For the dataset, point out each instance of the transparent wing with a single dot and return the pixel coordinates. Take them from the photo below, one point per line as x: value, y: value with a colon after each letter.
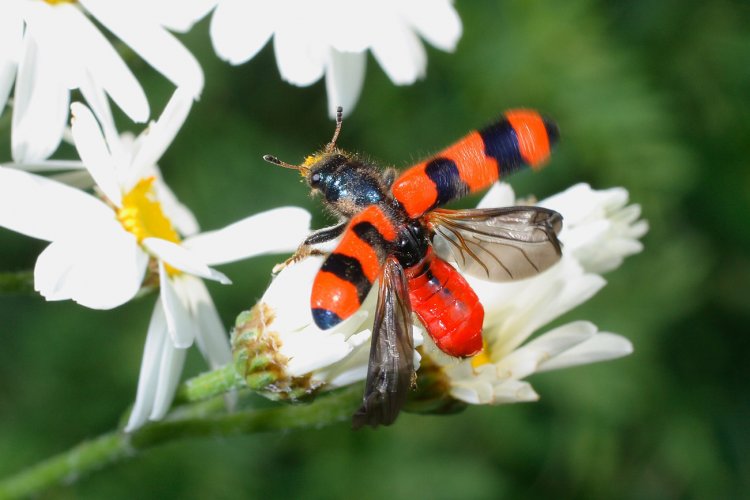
x: 498, y: 244
x: 390, y: 371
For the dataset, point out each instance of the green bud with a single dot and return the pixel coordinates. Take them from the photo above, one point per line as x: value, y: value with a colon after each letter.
x: 258, y: 360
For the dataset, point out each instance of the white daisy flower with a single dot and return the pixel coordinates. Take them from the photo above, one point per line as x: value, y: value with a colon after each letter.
x: 52, y: 46
x: 100, y: 249
x: 331, y: 38
x: 305, y: 358
x: 598, y: 236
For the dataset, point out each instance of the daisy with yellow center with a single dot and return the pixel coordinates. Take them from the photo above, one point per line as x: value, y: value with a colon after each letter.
x: 100, y: 246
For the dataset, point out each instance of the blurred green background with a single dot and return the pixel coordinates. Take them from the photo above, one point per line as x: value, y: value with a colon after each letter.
x: 652, y: 96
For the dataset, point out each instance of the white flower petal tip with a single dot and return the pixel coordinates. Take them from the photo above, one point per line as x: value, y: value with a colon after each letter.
x: 94, y: 152
x: 600, y: 347
x: 345, y: 76
x: 332, y: 38
x: 599, y: 228
x: 100, y: 273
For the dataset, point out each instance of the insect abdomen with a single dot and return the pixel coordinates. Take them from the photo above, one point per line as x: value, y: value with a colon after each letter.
x: 446, y: 305
x: 522, y: 138
x: 347, y: 274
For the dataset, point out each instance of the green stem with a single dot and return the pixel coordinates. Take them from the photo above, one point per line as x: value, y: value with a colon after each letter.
x: 114, y: 447
x: 17, y: 282
x: 209, y: 384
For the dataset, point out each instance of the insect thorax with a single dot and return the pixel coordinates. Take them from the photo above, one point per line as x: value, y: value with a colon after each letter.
x: 347, y: 183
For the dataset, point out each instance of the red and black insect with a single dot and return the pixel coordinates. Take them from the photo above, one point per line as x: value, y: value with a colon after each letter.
x: 388, y: 224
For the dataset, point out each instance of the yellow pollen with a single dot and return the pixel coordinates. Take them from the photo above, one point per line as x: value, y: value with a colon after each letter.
x: 482, y: 358
x: 141, y: 214
x: 57, y: 2
x: 309, y: 160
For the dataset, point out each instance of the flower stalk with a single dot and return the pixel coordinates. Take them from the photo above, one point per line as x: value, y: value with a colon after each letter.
x: 115, y: 447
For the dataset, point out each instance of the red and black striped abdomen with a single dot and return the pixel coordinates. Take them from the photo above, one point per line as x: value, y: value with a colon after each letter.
x: 522, y: 138
x: 348, y: 273
x: 447, y: 306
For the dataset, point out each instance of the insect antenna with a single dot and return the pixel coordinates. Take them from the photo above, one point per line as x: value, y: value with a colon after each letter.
x: 339, y: 121
x: 272, y: 159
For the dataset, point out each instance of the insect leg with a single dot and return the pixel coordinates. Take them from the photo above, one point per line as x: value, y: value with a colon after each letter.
x: 315, y: 238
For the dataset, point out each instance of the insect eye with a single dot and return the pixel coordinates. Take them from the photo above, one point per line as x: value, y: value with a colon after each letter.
x: 315, y: 178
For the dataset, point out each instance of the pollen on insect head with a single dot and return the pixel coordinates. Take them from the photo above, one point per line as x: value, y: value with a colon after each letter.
x: 311, y: 160
x: 142, y: 214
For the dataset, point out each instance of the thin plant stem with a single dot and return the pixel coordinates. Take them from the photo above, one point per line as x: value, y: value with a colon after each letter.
x: 209, y: 384
x: 115, y: 447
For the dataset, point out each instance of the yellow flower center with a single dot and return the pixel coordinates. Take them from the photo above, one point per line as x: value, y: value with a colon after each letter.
x: 57, y: 2
x: 482, y: 358
x: 141, y: 214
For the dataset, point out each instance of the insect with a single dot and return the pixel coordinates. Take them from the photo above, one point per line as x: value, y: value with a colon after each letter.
x: 387, y: 224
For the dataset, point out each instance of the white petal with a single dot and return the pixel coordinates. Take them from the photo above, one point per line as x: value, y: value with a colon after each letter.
x: 183, y: 259
x: 499, y: 195
x: 211, y: 335
x: 436, y: 20
x: 600, y: 231
x: 99, y: 102
x: 79, y: 179
x: 100, y: 272
x: 345, y: 76
x: 40, y: 104
x: 240, y: 28
x: 45, y: 209
x: 300, y: 58
x: 93, y: 150
x: 170, y: 368
x: 600, y: 347
x: 289, y: 295
x: 152, y: 42
x: 179, y: 321
x: 148, y: 379
x: 472, y: 389
x: 353, y: 368
x: 400, y: 53
x: 180, y: 215
x: 309, y: 350
x: 513, y: 391
x: 160, y: 134
x: 48, y: 165
x: 11, y: 37
x: 106, y: 66
x: 526, y: 360
x: 275, y: 231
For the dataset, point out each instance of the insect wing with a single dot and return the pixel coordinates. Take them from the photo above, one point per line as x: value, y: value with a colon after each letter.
x: 391, y: 367
x: 498, y: 244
